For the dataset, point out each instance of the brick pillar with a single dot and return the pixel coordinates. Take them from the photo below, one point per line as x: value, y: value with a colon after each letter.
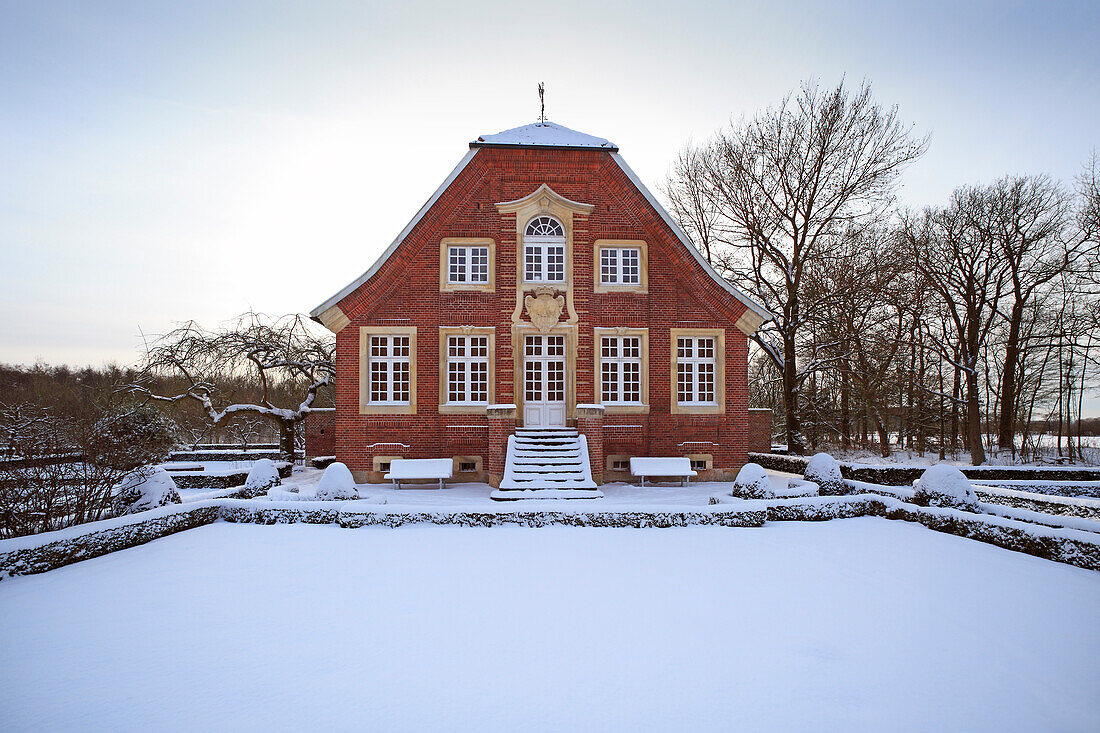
x: 590, y: 424
x: 502, y: 423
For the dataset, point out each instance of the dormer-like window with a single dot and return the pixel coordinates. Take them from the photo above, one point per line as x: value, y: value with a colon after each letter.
x: 544, y: 250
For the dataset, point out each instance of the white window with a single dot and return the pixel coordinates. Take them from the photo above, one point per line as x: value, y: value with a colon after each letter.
x: 467, y: 369
x: 695, y: 370
x: 467, y: 264
x: 620, y: 266
x: 544, y: 250
x: 388, y: 361
x: 621, y: 369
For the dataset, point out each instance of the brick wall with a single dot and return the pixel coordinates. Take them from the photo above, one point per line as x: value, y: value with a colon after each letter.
x: 320, y: 432
x: 405, y: 291
x: 760, y: 430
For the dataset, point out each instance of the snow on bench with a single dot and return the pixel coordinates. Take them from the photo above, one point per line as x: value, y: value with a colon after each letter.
x: 662, y: 468
x: 411, y: 469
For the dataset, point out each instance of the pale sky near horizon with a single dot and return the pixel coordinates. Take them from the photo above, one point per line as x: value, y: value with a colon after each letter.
x: 169, y: 161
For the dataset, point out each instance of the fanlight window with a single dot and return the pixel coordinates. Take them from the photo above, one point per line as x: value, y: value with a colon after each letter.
x: 544, y: 226
x: 544, y: 250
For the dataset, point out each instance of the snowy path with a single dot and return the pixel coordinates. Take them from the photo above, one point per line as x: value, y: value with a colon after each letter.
x: 847, y: 625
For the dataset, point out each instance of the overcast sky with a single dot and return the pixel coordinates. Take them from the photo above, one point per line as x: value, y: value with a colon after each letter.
x: 162, y: 162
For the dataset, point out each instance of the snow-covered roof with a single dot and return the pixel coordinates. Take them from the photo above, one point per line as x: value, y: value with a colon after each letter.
x: 544, y: 135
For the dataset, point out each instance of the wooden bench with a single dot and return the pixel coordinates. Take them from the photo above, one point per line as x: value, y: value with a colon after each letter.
x: 662, y: 468
x: 420, y: 469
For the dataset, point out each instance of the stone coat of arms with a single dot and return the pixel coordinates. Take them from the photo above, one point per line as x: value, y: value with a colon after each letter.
x: 544, y: 308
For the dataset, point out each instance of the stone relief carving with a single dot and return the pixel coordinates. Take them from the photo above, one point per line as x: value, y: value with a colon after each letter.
x: 544, y: 308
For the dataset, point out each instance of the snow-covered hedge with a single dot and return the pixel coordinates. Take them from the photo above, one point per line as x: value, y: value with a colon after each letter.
x: 39, y: 553
x: 1068, y: 506
x: 263, y: 476
x: 336, y: 484
x: 945, y: 486
x: 144, y: 489
x: 824, y: 471
x: 752, y: 482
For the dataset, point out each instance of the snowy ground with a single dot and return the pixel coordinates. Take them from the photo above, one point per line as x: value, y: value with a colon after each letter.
x: 472, y: 496
x: 861, y: 624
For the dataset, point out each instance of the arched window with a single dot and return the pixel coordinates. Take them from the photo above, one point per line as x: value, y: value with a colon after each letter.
x: 545, y: 226
x: 544, y: 250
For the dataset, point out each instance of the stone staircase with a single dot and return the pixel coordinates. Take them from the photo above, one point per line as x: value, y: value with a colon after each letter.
x: 547, y: 463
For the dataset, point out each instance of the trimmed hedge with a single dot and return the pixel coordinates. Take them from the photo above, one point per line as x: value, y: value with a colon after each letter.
x: 903, y: 475
x: 70, y: 549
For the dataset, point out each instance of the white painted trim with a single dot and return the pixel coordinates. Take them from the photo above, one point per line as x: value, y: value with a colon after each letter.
x: 686, y: 241
x: 352, y: 286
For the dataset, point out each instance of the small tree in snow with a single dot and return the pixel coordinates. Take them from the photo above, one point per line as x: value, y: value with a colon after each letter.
x: 285, y: 358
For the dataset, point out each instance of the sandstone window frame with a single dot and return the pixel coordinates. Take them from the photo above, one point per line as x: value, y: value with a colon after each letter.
x: 718, y: 406
x: 471, y: 408
x: 707, y: 459
x: 542, y: 245
x: 621, y: 408
x: 641, y: 287
x: 445, y: 245
x: 366, y: 406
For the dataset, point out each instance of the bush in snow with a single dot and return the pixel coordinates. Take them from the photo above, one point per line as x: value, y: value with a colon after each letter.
x: 824, y: 471
x: 752, y: 483
x: 145, y: 488
x: 336, y: 483
x: 262, y: 477
x: 945, y: 486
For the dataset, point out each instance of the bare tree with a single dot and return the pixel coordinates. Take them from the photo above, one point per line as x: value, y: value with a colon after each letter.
x: 691, y: 201
x: 785, y: 184
x: 286, y: 358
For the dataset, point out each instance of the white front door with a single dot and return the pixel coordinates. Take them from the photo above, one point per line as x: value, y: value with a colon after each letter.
x: 544, y: 381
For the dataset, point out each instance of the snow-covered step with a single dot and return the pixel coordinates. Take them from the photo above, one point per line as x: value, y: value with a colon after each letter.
x: 547, y: 464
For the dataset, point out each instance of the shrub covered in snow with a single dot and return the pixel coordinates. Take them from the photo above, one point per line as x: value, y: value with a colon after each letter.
x: 336, y: 483
x: 824, y: 471
x: 145, y: 488
x: 262, y: 477
x: 943, y: 485
x: 752, y: 482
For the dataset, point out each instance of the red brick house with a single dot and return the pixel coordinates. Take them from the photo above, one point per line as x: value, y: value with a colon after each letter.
x: 541, y: 289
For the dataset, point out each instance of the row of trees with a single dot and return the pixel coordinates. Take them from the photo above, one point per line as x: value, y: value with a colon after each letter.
x: 968, y: 325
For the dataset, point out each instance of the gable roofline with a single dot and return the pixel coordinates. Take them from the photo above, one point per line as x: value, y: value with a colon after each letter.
x: 351, y: 287
x: 761, y: 312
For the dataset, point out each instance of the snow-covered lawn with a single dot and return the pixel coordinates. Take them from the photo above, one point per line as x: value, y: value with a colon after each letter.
x: 861, y: 624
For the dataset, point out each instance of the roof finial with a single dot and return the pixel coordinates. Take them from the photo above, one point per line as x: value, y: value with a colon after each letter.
x: 542, y: 102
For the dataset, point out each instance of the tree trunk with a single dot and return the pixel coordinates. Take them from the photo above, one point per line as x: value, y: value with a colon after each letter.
x: 974, y: 419
x: 790, y: 399
x: 883, y: 433
x: 286, y: 439
x: 845, y: 416
x: 1006, y: 429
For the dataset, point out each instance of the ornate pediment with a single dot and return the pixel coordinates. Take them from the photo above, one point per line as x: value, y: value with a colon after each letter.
x: 544, y: 308
x: 545, y: 200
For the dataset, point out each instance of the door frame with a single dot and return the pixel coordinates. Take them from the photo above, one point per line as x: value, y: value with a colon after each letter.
x: 519, y: 333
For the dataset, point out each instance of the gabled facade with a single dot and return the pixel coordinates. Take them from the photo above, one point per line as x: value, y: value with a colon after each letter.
x: 542, y: 285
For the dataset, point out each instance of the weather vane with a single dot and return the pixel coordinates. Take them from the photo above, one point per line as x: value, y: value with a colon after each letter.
x: 542, y: 102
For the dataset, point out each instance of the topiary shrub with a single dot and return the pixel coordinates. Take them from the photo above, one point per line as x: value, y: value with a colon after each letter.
x: 824, y: 471
x: 145, y: 488
x: 752, y: 482
x: 263, y: 476
x: 944, y: 485
x: 336, y: 484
